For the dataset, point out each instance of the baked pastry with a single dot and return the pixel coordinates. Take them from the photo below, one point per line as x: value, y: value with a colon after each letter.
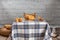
x: 40, y: 18
x: 18, y: 19
x: 8, y: 26
x: 4, y: 32
x: 29, y: 17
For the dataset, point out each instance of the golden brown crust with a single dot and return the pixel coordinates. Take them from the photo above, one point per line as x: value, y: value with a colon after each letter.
x: 40, y: 18
x: 18, y: 19
x: 4, y: 32
x: 8, y: 26
x: 30, y: 17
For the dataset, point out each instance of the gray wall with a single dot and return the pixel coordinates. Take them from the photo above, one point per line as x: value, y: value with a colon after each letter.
x: 49, y: 9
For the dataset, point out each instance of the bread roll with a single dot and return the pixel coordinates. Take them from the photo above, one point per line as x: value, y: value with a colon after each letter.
x: 40, y: 19
x: 4, y: 32
x: 8, y: 26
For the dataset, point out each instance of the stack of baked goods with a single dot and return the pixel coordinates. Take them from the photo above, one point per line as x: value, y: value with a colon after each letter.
x: 29, y: 17
x: 5, y: 30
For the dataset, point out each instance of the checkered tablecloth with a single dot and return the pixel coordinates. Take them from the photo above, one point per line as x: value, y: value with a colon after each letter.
x: 31, y: 31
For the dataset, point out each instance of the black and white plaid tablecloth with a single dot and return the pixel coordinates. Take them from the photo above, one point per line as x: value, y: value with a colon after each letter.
x: 31, y: 31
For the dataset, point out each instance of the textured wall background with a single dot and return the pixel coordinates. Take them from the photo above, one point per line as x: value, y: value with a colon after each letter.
x: 49, y: 9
